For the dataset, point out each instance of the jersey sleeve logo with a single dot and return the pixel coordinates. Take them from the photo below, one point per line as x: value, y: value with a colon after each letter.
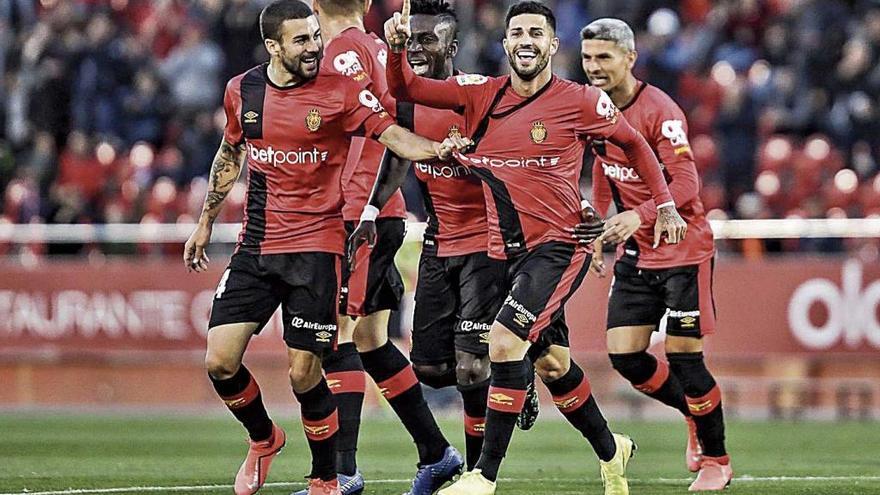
x: 674, y: 131
x: 370, y: 101
x: 349, y: 64
x: 606, y: 108
x: 471, y: 79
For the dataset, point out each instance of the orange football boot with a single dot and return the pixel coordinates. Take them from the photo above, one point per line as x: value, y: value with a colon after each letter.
x: 255, y: 468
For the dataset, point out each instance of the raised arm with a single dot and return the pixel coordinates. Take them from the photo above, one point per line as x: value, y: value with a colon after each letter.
x: 224, y: 172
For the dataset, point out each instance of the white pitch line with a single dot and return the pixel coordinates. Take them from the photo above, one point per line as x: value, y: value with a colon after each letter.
x: 202, y: 488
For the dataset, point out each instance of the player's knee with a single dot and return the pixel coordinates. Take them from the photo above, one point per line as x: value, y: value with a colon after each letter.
x: 305, y: 373
x: 504, y: 345
x: 435, y: 375
x: 368, y: 336
x: 633, y: 366
x: 550, y: 369
x: 470, y: 368
x: 221, y: 367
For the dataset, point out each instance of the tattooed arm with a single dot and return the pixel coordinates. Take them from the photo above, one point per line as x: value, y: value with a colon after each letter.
x: 224, y: 172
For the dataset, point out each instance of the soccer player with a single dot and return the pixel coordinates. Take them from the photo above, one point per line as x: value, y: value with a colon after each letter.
x: 293, y: 128
x: 530, y: 130
x: 458, y: 292
x: 650, y: 280
x: 372, y: 286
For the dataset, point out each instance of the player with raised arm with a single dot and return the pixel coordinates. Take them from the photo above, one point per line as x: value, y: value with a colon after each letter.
x: 372, y: 286
x: 651, y: 280
x: 458, y: 292
x: 293, y: 128
x: 530, y: 130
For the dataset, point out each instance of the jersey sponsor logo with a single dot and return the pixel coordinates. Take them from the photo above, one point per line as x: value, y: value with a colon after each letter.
x: 622, y: 174
x: 606, y: 108
x: 324, y: 330
x: 523, y: 316
x: 251, y: 117
x: 349, y: 64
x: 538, y: 132
x: 851, y: 306
x: 470, y: 326
x: 277, y: 158
x: 369, y: 100
x: 523, y: 162
x: 313, y: 120
x: 442, y: 171
x: 683, y: 314
x: 471, y: 79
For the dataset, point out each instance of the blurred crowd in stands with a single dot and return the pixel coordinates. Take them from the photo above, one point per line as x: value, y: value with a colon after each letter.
x: 110, y: 110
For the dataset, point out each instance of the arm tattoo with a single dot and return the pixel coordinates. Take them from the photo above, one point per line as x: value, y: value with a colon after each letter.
x: 224, y: 173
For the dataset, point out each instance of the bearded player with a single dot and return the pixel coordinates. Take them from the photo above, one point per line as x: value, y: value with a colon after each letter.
x: 293, y: 128
x: 651, y: 280
x: 372, y: 286
x: 530, y: 130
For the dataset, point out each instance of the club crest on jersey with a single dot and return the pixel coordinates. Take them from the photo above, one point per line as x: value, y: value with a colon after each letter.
x: 251, y: 117
x: 538, y: 132
x: 313, y: 120
x: 454, y: 132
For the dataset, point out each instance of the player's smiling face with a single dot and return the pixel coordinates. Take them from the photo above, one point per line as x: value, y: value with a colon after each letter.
x: 430, y: 45
x: 301, y: 48
x: 529, y: 43
x: 605, y: 63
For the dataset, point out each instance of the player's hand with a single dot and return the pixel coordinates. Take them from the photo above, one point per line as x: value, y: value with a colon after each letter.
x: 397, y: 30
x: 590, y: 228
x: 670, y: 223
x: 621, y: 227
x: 365, y: 232
x: 451, y: 144
x: 194, y: 256
x: 597, y: 263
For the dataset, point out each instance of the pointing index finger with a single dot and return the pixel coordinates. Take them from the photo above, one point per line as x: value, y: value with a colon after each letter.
x: 404, y: 12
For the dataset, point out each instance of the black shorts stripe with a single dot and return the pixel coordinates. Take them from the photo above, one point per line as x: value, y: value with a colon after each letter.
x: 630, y: 246
x: 255, y: 213
x: 429, y: 246
x: 508, y: 217
x: 253, y: 95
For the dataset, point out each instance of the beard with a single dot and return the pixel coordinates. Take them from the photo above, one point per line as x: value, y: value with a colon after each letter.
x: 296, y: 67
x: 527, y: 74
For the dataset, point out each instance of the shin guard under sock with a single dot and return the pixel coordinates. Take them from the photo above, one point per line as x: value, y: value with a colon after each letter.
x: 507, y: 394
x: 320, y: 423
x: 241, y: 394
x: 703, y: 398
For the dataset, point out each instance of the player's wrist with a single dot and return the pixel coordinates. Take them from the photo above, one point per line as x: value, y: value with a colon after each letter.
x: 668, y: 204
x: 369, y: 214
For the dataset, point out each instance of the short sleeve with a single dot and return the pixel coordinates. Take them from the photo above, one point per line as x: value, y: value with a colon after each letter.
x: 364, y: 112
x: 599, y: 117
x: 232, y: 132
x: 669, y: 136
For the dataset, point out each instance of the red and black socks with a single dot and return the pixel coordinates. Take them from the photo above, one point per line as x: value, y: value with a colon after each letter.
x: 241, y: 394
x: 397, y: 382
x: 703, y: 399
x: 574, y: 399
x: 320, y: 423
x: 507, y: 394
x: 347, y: 381
x: 474, y: 397
x: 651, y: 376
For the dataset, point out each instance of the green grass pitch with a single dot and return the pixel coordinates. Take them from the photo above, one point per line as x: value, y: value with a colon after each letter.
x: 85, y: 454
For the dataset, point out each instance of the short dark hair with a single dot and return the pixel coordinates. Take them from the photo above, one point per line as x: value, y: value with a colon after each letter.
x: 274, y: 15
x: 342, y: 7
x: 440, y: 8
x: 530, y: 7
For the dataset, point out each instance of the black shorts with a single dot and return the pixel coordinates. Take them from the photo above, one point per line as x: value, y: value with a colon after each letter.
x: 376, y: 284
x: 457, y: 299
x: 641, y: 297
x: 541, y: 282
x: 306, y: 285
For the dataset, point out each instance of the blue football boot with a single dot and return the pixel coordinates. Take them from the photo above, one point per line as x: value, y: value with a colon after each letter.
x: 431, y: 477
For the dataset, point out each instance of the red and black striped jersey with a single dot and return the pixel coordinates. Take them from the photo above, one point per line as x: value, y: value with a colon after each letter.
x: 453, y: 195
x: 529, y: 150
x: 663, y: 124
x: 362, y: 56
x: 297, y: 140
